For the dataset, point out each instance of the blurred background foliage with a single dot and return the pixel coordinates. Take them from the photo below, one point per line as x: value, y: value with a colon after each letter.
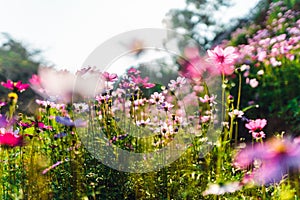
x: 18, y: 62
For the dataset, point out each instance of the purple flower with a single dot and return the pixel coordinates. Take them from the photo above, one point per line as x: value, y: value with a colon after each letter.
x: 276, y: 157
x: 4, y: 122
x: 68, y: 122
x: 60, y: 135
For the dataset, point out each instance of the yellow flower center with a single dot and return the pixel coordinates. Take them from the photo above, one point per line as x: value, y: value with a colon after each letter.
x: 13, y: 96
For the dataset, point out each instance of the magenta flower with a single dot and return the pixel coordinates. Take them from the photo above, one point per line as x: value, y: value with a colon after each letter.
x: 25, y: 124
x: 18, y: 86
x: 276, y: 157
x: 11, y: 140
x: 41, y: 125
x: 2, y: 103
x: 224, y: 58
x: 148, y: 85
x: 110, y: 77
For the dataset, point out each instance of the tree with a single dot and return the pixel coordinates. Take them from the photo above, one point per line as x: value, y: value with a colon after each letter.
x: 197, y: 20
x: 17, y: 62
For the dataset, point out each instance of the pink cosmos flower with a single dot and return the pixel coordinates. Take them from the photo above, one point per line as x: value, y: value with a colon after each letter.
x: 157, y: 98
x: 276, y: 157
x: 41, y: 125
x: 139, y: 80
x: 205, y: 118
x: 35, y: 80
x: 19, y: 86
x: 195, y: 67
x: 110, y: 77
x: 258, y: 135
x: 256, y: 125
x: 142, y: 81
x: 133, y: 70
x: 180, y: 81
x: 207, y: 99
x: 11, y: 139
x: 224, y: 58
x: 255, y: 128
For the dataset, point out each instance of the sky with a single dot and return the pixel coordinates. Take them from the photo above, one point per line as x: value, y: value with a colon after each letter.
x: 67, y: 31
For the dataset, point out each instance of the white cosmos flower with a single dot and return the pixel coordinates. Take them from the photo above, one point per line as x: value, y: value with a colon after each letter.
x: 220, y: 189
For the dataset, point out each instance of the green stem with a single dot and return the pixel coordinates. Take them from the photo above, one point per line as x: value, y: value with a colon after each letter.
x: 238, y: 107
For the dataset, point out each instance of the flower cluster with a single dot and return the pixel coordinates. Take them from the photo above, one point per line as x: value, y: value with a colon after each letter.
x: 255, y: 128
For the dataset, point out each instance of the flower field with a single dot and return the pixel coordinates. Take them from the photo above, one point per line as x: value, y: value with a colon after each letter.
x: 225, y: 127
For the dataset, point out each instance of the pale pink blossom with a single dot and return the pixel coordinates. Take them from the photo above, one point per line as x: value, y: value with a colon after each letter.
x: 167, y: 106
x: 207, y: 99
x: 143, y: 122
x: 236, y: 113
x: 245, y: 67
x: 205, y: 118
x: 220, y: 189
x: 274, y: 62
x: 261, y: 55
x: 253, y: 82
x: 157, y: 98
x: 258, y: 135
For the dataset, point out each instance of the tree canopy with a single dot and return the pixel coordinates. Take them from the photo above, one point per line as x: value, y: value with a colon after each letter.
x: 17, y: 63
